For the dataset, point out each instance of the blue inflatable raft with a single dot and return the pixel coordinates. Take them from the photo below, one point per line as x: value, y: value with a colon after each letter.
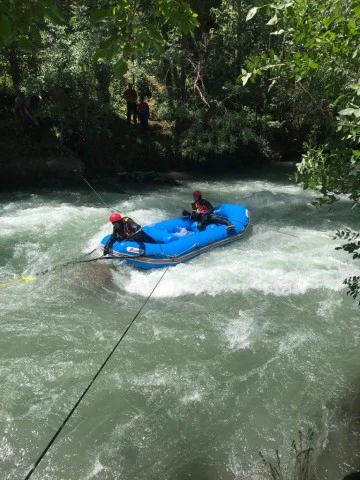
x: 181, y: 239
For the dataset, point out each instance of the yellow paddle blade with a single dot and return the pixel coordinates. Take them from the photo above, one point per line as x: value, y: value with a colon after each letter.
x: 27, y: 279
x: 13, y: 282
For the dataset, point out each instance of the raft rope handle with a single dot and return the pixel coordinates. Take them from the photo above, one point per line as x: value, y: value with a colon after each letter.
x: 92, y: 381
x: 196, y: 245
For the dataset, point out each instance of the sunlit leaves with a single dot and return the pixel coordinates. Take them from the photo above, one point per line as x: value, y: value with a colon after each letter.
x: 352, y: 246
x: 135, y: 26
x: 251, y: 13
x: 273, y: 20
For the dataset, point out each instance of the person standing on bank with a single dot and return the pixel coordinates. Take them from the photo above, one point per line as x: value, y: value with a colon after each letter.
x: 131, y: 96
x: 202, y: 212
x: 30, y: 123
x: 143, y: 112
x: 125, y: 228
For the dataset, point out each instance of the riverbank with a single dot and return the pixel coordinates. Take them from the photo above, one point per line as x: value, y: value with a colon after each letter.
x: 113, y: 157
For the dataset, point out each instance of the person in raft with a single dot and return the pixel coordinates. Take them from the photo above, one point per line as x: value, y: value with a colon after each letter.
x: 126, y: 229
x: 202, y: 212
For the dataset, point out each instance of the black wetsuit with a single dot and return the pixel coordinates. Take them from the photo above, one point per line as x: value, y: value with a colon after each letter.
x: 202, y: 212
x: 127, y: 229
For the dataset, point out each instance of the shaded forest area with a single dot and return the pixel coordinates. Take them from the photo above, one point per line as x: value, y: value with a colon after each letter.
x: 228, y: 83
x: 201, y: 115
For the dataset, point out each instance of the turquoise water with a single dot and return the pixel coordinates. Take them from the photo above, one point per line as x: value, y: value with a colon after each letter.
x: 235, y: 351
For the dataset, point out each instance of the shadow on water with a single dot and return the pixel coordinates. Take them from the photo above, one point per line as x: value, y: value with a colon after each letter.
x: 353, y: 476
x: 196, y: 469
x: 341, y: 456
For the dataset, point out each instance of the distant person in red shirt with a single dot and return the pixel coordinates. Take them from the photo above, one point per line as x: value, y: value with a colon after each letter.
x: 131, y: 96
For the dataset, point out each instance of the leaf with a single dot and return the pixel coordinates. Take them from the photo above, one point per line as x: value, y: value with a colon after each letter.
x: 278, y: 32
x: 251, y: 13
x: 347, y: 111
x: 26, y: 45
x: 5, y: 26
x: 38, y: 13
x: 245, y: 78
x: 273, y: 20
x: 54, y: 16
x: 101, y: 14
x: 120, y: 68
x: 155, y: 35
x: 99, y: 54
x: 272, y: 84
x: 313, y: 65
x: 35, y: 34
x: 356, y: 87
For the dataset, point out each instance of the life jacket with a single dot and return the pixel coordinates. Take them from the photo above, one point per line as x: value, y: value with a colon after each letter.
x: 125, y: 230
x: 200, y: 207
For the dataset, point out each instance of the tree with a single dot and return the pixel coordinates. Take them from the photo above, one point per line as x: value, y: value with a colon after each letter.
x: 21, y: 21
x: 319, y: 53
x: 136, y: 24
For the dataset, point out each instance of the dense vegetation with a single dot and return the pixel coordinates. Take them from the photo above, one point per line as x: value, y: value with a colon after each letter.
x: 227, y: 80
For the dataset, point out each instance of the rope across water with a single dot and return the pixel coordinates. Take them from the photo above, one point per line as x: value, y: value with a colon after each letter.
x: 42, y: 455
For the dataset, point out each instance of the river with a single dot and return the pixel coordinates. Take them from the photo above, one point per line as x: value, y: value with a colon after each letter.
x: 235, y: 352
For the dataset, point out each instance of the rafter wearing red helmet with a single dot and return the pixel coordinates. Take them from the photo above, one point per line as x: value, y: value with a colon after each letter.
x: 125, y: 228
x: 202, y: 212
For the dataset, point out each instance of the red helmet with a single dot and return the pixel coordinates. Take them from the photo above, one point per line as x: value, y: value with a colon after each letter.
x: 115, y: 217
x: 197, y: 193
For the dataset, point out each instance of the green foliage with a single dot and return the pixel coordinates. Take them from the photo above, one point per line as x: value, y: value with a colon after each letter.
x: 352, y: 246
x: 320, y: 43
x: 130, y: 26
x: 136, y: 29
x: 327, y: 170
x: 21, y: 20
x: 319, y: 48
x: 220, y: 131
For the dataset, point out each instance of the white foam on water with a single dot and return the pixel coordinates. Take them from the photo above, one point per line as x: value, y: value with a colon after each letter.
x: 163, y: 376
x: 97, y: 468
x: 45, y: 219
x: 240, y: 331
x: 293, y: 341
x: 272, y: 264
x: 191, y: 398
x: 326, y: 308
x: 6, y: 450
